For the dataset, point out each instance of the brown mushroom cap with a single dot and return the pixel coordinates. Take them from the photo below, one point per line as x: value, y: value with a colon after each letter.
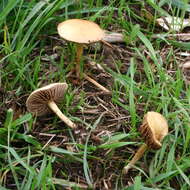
x: 80, y: 31
x: 154, y: 129
x: 37, y: 102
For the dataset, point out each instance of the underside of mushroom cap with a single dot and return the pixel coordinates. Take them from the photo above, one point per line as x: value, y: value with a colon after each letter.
x: 37, y: 102
x: 80, y: 31
x: 154, y: 129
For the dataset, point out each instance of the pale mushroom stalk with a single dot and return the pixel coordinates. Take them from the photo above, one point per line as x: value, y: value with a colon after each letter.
x: 53, y: 106
x: 154, y: 128
x: 136, y: 157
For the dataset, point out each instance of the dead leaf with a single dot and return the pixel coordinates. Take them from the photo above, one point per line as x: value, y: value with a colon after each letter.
x: 113, y: 37
x: 173, y: 23
x: 186, y: 65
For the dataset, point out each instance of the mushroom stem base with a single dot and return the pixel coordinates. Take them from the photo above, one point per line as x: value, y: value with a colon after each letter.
x: 136, y: 157
x: 58, y: 112
x: 96, y: 83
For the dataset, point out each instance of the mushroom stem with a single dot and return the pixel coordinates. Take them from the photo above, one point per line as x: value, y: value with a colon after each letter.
x: 136, y: 157
x: 58, y: 112
x: 96, y: 83
x: 79, y: 53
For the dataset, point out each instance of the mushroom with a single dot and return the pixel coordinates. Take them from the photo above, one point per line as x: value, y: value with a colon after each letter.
x: 43, y: 100
x: 153, y: 129
x: 81, y: 32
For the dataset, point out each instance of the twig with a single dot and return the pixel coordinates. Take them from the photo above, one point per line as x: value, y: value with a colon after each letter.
x: 96, y: 83
x: 113, y: 37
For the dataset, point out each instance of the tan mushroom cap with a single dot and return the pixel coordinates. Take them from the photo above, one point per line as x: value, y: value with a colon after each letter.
x: 37, y: 102
x: 154, y: 129
x: 80, y: 31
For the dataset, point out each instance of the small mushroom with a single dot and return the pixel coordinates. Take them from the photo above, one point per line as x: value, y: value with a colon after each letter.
x: 43, y: 100
x: 81, y: 32
x: 153, y: 129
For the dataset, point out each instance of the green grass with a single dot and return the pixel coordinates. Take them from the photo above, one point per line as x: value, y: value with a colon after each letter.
x: 42, y: 153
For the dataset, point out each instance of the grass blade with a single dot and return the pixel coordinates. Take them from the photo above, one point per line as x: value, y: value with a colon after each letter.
x: 6, y: 10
